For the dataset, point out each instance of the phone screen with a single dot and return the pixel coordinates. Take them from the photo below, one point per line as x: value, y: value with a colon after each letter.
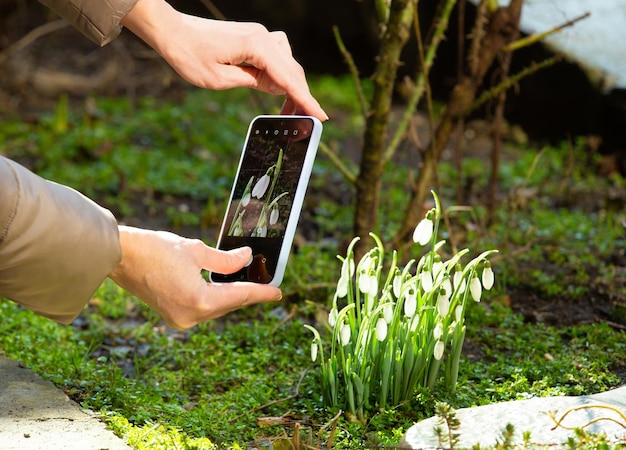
x: 263, y: 196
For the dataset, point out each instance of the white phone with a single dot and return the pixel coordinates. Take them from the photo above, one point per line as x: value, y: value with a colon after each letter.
x: 267, y: 195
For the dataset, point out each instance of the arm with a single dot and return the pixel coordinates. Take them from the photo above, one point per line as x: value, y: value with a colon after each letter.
x: 56, y: 246
x: 221, y: 55
x: 208, y: 53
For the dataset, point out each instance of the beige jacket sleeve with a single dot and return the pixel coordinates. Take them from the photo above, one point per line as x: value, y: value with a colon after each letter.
x: 99, y: 20
x: 56, y: 245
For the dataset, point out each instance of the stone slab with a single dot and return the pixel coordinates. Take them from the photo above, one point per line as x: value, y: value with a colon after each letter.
x: 484, y: 424
x: 35, y: 415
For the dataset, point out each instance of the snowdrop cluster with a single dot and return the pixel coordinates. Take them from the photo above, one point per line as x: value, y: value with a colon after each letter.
x: 396, y: 331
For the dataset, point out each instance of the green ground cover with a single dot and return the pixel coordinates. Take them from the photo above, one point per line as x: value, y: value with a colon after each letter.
x: 247, y: 380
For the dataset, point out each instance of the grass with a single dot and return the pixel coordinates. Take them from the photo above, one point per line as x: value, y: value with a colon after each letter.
x: 247, y: 380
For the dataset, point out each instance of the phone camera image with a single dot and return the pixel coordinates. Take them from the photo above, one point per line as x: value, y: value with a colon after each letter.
x: 267, y: 195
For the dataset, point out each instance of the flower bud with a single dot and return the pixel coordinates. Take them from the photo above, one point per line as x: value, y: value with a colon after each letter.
x: 438, y: 331
x: 488, y: 277
x: 443, y: 305
x: 410, y: 303
x: 246, y: 199
x: 345, y: 334
x: 274, y: 214
x: 427, y: 281
x: 388, y: 313
x: 332, y: 317
x: 458, y: 281
x: 439, y: 348
x: 423, y: 231
x: 397, y: 285
x: 381, y: 329
x: 261, y: 186
x: 458, y: 313
x: 475, y: 288
x: 313, y: 351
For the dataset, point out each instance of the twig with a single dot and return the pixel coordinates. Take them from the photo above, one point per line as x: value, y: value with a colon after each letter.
x: 531, y: 39
x: 348, y: 174
x: 354, y: 71
x: 478, y: 33
x: 333, y: 422
x: 535, y: 67
x: 558, y: 423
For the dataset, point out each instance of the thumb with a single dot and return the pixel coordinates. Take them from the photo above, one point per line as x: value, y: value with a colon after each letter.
x: 226, y: 261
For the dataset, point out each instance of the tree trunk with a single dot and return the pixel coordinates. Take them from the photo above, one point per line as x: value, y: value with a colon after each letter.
x: 368, y: 182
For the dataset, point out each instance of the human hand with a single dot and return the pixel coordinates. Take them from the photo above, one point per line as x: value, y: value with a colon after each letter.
x: 219, y: 54
x: 164, y: 270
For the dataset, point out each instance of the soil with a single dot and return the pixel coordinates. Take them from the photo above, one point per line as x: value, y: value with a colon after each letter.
x: 32, y: 78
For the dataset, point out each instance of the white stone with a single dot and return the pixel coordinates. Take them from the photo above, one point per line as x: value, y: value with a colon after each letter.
x: 484, y: 424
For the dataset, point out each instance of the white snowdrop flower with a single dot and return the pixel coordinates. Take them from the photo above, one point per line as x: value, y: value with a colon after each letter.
x: 458, y: 311
x: 274, y: 214
x: 372, y: 284
x: 488, y: 277
x: 427, y: 281
x: 367, y: 281
x: 347, y: 268
x: 344, y: 335
x: 261, y: 186
x: 423, y: 231
x: 246, y: 199
x: 313, y: 351
x: 462, y: 286
x: 342, y: 287
x: 381, y: 329
x: 238, y: 231
x: 366, y: 262
x: 397, y: 285
x: 436, y: 270
x: 443, y: 305
x: 438, y: 331
x: 475, y: 288
x: 439, y: 348
x: 446, y: 286
x: 332, y: 317
x: 457, y: 279
x: 363, y: 281
x: 388, y: 313
x: 261, y: 231
x: 410, y: 303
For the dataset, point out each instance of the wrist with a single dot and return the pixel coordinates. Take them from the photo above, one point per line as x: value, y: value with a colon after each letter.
x: 152, y: 20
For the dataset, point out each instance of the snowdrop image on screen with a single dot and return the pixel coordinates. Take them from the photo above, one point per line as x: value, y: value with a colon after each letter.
x: 259, y: 190
x: 393, y: 332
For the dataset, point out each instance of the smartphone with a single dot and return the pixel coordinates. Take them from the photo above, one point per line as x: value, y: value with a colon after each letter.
x: 267, y: 195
